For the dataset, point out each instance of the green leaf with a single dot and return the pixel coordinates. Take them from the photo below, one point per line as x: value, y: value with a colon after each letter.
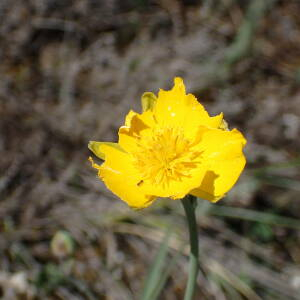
x: 95, y: 147
x: 262, y: 231
x: 156, y: 276
x: 148, y: 101
x: 254, y: 216
x: 164, y: 277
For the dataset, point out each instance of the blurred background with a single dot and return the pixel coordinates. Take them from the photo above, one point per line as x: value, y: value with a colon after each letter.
x: 70, y: 70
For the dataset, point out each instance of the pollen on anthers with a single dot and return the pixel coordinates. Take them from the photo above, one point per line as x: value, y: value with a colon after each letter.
x: 164, y: 156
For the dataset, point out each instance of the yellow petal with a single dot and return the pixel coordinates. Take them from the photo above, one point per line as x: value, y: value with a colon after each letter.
x: 95, y: 147
x: 129, y: 117
x: 120, y: 176
x: 222, y: 152
x: 135, y: 126
x: 176, y: 189
x: 175, y: 108
x: 148, y: 101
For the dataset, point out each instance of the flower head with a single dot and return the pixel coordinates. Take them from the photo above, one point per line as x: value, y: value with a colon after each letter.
x: 172, y: 149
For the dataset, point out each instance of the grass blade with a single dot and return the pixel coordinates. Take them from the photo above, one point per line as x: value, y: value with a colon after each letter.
x: 154, y: 278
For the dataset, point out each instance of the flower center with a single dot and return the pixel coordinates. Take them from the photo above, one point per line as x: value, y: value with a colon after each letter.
x: 166, y: 155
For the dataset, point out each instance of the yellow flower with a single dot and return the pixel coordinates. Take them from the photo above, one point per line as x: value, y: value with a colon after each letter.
x: 172, y: 149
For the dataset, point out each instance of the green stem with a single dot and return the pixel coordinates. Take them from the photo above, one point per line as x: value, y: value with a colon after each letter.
x: 189, y: 204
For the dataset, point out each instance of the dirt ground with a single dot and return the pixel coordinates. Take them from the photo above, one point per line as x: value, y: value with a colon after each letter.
x: 69, y: 73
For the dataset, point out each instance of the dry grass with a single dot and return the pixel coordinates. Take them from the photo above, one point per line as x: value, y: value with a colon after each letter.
x: 70, y: 71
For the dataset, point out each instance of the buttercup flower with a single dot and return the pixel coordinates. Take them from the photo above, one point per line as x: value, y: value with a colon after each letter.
x: 172, y: 149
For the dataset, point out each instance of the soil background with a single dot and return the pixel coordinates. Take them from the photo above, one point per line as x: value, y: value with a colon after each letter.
x: 69, y: 73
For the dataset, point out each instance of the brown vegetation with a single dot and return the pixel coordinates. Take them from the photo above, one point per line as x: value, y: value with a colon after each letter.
x: 70, y: 71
